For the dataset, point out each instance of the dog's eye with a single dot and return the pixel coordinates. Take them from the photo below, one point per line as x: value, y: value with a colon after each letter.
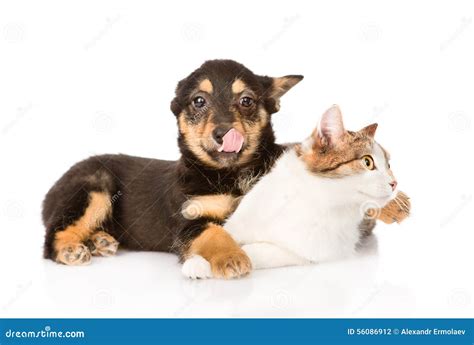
x: 368, y: 162
x: 199, y: 102
x: 246, y: 101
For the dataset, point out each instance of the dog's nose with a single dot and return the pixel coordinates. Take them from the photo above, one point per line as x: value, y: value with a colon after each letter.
x: 219, y: 132
x: 393, y: 184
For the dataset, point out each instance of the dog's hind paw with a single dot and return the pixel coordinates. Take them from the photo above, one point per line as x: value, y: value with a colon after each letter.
x: 74, y: 254
x: 196, y: 267
x: 101, y: 243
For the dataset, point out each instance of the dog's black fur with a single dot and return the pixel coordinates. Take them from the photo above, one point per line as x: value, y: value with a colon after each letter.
x: 147, y: 194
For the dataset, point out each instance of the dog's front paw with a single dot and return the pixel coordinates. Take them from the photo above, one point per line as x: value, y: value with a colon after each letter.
x: 74, y: 254
x: 397, y: 210
x: 196, y: 267
x: 231, y: 265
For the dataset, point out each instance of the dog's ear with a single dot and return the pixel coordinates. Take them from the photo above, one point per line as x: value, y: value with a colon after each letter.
x: 175, y: 107
x: 277, y: 87
x: 281, y: 85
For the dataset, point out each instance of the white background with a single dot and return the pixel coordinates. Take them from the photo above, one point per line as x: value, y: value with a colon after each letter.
x: 92, y: 77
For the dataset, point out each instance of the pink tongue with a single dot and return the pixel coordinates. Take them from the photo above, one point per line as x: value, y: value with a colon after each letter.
x: 232, y: 141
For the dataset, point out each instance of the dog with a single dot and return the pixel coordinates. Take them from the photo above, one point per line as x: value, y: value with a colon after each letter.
x: 226, y: 139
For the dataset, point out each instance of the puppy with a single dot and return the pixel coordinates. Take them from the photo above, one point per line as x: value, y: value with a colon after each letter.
x: 223, y: 111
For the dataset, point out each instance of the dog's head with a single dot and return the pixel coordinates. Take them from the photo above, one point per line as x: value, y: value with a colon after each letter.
x: 223, y: 112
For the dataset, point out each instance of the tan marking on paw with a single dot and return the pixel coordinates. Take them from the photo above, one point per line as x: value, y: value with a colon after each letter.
x: 103, y: 244
x: 76, y: 234
x: 74, y: 254
x: 215, y: 245
x: 231, y: 265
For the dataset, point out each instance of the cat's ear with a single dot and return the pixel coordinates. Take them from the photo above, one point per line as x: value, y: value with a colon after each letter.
x: 331, y: 128
x: 369, y: 130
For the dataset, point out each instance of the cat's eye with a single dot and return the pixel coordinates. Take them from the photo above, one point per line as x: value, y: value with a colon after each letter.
x: 368, y: 162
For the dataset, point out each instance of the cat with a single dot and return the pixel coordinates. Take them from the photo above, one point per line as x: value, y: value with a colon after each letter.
x: 317, y: 203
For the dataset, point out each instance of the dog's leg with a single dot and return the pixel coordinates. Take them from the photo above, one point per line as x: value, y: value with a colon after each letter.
x: 78, y: 204
x: 395, y: 211
x: 227, y: 260
x: 214, y: 206
x: 69, y: 244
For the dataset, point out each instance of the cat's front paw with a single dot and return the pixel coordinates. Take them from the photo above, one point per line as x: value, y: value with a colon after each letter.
x: 230, y: 265
x: 397, y: 210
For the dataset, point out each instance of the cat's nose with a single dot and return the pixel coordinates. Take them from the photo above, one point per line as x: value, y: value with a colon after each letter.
x: 393, y: 184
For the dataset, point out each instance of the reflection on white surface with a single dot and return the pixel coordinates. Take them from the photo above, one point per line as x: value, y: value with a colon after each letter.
x: 399, y: 279
x: 151, y: 285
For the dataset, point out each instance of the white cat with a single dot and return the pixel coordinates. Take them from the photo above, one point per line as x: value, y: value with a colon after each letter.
x: 312, y: 206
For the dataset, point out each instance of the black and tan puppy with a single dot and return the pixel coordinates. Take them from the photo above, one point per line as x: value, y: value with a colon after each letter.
x: 226, y: 139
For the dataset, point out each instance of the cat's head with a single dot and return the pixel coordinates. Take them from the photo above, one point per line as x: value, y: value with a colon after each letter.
x: 354, y: 164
